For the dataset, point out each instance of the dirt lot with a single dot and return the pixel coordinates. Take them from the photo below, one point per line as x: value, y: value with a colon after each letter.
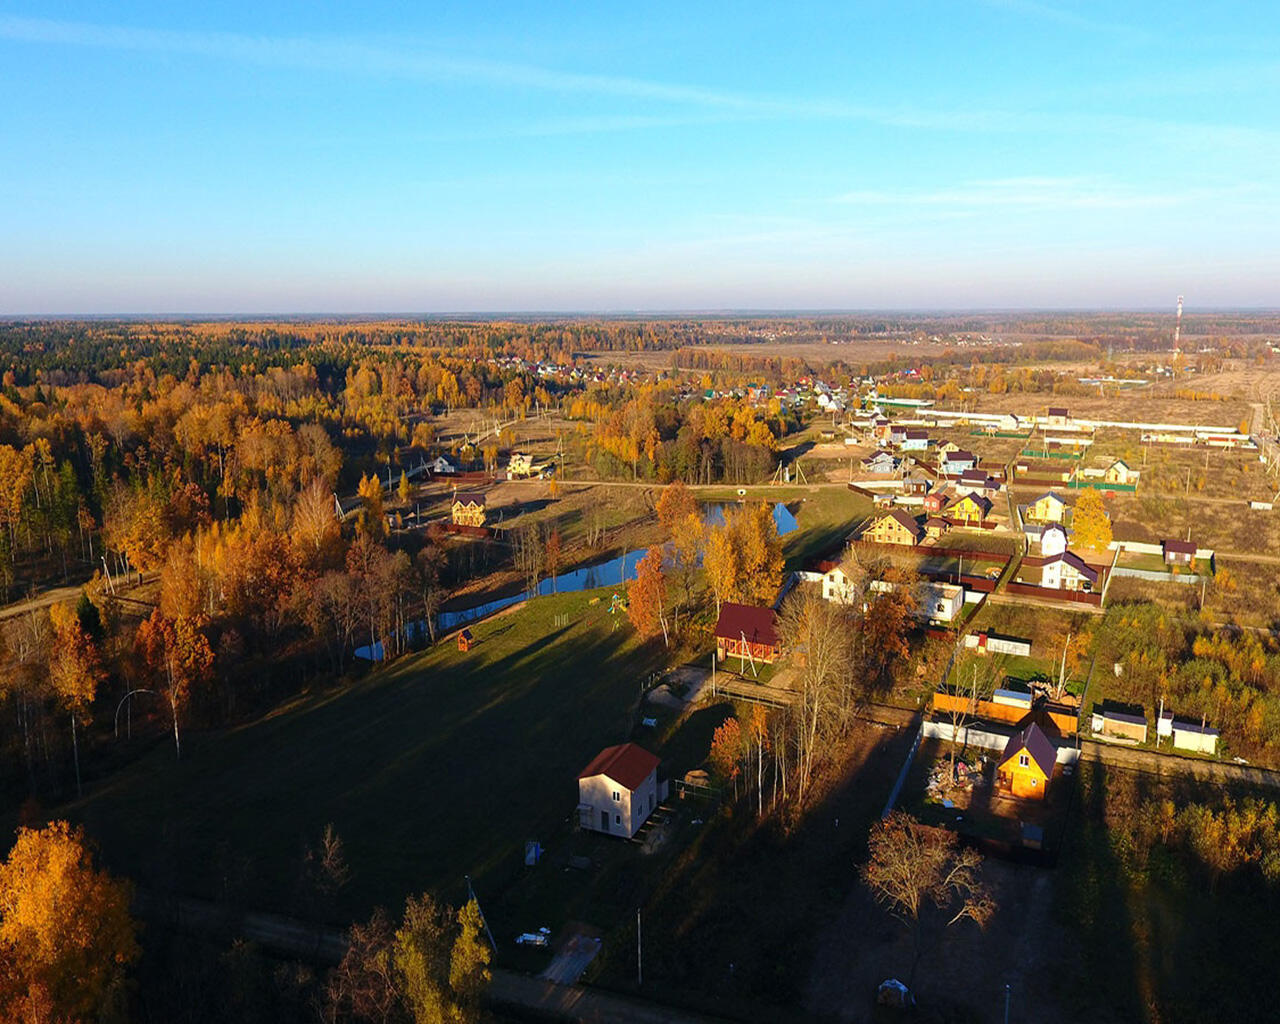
x: 962, y: 976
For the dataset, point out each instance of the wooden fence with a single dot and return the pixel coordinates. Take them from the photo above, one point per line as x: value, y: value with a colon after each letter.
x: 1049, y: 594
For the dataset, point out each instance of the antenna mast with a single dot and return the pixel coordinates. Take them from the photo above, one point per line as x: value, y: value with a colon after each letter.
x: 1177, y: 328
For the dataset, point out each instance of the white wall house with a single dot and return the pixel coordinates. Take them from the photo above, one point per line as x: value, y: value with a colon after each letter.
x: 618, y: 790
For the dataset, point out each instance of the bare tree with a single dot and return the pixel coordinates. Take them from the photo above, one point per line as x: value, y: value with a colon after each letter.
x: 925, y: 878
x: 816, y: 632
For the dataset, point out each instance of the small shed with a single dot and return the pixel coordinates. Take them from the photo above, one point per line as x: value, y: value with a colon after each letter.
x: 465, y: 639
x: 1026, y: 766
x: 1118, y: 724
x: 1195, y: 736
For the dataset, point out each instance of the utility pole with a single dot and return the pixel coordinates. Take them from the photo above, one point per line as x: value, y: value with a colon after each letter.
x: 483, y: 920
x: 1007, y: 992
x: 639, y: 958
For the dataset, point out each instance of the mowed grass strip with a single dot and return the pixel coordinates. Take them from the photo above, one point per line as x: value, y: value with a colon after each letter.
x: 437, y: 766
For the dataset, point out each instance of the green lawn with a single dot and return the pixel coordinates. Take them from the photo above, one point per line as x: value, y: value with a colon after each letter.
x: 440, y: 765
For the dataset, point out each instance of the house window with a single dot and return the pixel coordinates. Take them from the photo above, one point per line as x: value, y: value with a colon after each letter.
x: 1023, y: 761
x: 617, y: 797
x: 617, y: 819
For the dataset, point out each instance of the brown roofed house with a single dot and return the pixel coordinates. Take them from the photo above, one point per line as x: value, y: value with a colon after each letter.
x: 896, y: 527
x: 747, y: 631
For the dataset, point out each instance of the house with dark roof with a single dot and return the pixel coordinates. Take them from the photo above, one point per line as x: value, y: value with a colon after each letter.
x: 1026, y: 766
x: 1119, y: 722
x: 747, y: 631
x: 956, y: 462
x: 618, y: 790
x: 970, y: 508
x: 1048, y: 508
x: 896, y: 527
x: 1178, y: 552
x: 1068, y: 571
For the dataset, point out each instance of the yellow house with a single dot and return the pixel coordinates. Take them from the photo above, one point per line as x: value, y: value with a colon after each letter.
x: 972, y: 508
x: 1026, y: 766
x: 1048, y: 508
x: 1120, y: 473
x: 468, y: 509
x: 894, y: 527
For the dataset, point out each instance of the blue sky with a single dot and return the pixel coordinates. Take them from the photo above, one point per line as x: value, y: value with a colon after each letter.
x: 480, y: 156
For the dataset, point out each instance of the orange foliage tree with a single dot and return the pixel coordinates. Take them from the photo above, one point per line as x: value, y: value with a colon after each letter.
x: 179, y: 657
x: 74, y: 670
x: 645, y: 603
x: 66, y: 938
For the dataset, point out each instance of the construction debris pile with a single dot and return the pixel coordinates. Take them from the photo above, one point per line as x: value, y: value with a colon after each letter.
x: 958, y: 791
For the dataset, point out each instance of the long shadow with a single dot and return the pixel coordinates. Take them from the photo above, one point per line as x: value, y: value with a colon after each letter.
x: 428, y: 771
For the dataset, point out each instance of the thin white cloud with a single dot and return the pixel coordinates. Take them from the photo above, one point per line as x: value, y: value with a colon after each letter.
x: 362, y: 58
x: 400, y: 61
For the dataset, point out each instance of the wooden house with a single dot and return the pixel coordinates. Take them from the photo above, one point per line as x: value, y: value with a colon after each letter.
x: 465, y: 640
x: 935, y: 527
x: 520, y: 465
x: 970, y: 508
x: 1058, y: 416
x: 1120, y: 473
x: 618, y: 790
x: 468, y: 509
x: 1026, y: 766
x: 747, y: 631
x: 1048, y: 508
x: 896, y: 527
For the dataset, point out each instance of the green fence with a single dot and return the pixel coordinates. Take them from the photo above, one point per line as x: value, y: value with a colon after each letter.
x: 1031, y: 453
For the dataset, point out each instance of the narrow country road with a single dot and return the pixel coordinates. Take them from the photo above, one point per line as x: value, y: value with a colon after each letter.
x: 574, y: 1004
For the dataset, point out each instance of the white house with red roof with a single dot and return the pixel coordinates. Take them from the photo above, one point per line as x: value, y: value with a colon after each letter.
x: 618, y: 790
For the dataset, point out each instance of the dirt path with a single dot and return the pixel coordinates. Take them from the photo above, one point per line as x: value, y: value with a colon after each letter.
x: 44, y: 599
x: 326, y: 946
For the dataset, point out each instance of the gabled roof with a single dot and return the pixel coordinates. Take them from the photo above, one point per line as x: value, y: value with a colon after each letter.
x: 1058, y: 410
x: 1036, y: 744
x: 758, y: 625
x: 627, y: 764
x: 1077, y: 563
x: 960, y: 455
x: 1049, y: 494
x: 1180, y: 547
x: 469, y: 498
x: 981, y: 501
x: 904, y: 520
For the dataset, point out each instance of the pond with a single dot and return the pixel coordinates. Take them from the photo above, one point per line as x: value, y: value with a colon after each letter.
x: 603, y: 574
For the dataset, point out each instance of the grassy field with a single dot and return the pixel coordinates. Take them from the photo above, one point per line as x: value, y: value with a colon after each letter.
x: 440, y: 765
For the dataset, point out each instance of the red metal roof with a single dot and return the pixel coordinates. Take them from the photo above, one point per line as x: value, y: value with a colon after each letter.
x: 757, y: 624
x: 627, y: 764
